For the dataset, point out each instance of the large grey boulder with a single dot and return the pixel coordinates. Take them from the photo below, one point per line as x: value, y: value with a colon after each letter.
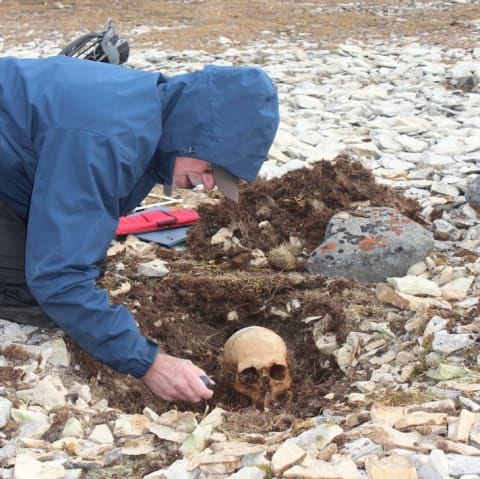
x: 472, y: 194
x: 370, y: 245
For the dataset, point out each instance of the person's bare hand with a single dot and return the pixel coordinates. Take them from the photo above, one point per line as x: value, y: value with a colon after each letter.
x: 176, y: 379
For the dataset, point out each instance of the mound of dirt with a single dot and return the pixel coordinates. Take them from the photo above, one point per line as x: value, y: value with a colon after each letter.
x: 298, y: 205
x: 211, y: 292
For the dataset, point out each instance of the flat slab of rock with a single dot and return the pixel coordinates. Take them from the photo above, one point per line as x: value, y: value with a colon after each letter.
x: 393, y: 467
x: 287, y: 456
x: 370, y: 246
x: 343, y: 468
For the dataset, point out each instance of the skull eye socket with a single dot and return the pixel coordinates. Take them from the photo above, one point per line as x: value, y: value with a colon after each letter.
x: 248, y: 376
x: 278, y: 372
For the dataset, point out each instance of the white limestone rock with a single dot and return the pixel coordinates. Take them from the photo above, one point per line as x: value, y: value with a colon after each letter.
x: 153, y: 269
x: 33, y: 424
x: 457, y: 289
x: 251, y: 472
x: 73, y: 428
x: 49, y: 392
x: 60, y: 356
x: 317, y: 437
x: 461, y: 465
x: 415, y: 285
x: 459, y: 427
x: 342, y: 468
x: 27, y: 467
x: 287, y: 456
x: 101, y: 434
x: 177, y: 470
x: 393, y: 467
x: 131, y: 425
x: 435, y: 467
x: 5, y: 409
x: 445, y: 342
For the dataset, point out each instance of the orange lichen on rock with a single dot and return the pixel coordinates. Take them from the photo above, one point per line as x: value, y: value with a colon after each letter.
x: 399, y: 219
x: 370, y: 243
x: 396, y: 229
x: 328, y: 247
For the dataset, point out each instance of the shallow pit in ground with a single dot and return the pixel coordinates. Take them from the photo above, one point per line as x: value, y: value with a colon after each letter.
x: 210, y: 293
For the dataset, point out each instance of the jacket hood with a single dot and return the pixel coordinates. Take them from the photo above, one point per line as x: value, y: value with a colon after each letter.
x: 227, y: 116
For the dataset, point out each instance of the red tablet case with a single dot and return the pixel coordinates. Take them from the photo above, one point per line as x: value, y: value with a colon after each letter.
x: 156, y: 220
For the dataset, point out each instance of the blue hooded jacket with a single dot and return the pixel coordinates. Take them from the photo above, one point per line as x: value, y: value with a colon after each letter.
x: 82, y: 143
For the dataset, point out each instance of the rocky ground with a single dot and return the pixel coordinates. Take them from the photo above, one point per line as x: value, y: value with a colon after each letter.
x: 380, y: 108
x: 204, y: 24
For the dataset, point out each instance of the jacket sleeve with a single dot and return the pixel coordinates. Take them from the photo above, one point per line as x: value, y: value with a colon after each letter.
x: 78, y: 185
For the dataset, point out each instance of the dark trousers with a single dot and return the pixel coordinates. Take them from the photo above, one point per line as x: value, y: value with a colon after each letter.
x: 16, y: 302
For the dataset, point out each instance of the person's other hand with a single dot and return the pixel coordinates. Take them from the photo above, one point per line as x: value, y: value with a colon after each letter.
x: 176, y: 379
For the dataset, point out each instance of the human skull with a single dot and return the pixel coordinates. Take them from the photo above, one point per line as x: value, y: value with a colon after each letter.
x: 258, y: 359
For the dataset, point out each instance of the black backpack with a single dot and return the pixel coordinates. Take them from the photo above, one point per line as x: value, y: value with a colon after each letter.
x: 103, y: 46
